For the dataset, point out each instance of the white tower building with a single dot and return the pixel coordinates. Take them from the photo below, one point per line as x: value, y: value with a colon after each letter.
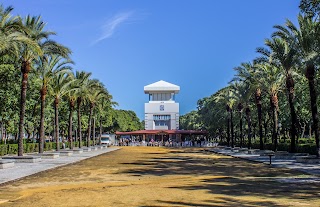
x: 162, y: 112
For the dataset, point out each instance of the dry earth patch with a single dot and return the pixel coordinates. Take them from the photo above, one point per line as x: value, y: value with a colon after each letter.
x: 154, y: 176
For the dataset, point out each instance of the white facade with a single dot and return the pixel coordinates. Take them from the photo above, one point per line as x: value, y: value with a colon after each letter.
x: 161, y: 112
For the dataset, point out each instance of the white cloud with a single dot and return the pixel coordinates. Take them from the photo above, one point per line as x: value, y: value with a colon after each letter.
x: 112, y: 24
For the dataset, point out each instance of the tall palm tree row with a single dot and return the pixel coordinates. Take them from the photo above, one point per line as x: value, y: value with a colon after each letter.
x: 283, y: 56
x: 48, y: 67
x: 83, y: 81
x: 60, y: 87
x: 48, y: 85
x: 276, y: 83
x: 29, y: 53
x: 97, y: 93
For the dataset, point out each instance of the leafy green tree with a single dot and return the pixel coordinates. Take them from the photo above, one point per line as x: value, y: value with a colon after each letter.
x: 125, y: 120
x: 32, y: 107
x: 104, y: 113
x: 9, y: 103
x: 190, y: 121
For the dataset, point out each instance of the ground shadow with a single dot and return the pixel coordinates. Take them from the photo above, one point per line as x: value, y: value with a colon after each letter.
x: 237, y: 177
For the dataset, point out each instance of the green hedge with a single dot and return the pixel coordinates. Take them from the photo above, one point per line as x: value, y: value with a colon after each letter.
x: 305, y: 145
x: 33, y: 147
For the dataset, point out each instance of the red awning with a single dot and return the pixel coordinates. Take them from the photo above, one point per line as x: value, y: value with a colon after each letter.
x: 157, y: 132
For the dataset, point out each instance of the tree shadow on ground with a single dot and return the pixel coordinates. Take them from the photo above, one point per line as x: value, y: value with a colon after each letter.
x: 184, y: 163
x: 234, y: 177
x: 223, y: 202
x: 267, y: 188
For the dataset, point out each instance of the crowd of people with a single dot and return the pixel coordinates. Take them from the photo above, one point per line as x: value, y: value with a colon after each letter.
x: 168, y: 143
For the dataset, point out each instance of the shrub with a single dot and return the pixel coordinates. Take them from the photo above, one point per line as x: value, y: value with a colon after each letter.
x: 33, y: 147
x: 305, y: 145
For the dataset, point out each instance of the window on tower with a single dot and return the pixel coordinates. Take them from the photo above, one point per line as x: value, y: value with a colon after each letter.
x: 161, y: 97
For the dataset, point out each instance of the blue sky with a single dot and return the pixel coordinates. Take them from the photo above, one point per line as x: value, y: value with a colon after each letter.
x: 129, y: 44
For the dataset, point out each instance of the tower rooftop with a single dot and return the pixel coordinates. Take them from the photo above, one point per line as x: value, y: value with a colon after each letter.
x: 161, y: 86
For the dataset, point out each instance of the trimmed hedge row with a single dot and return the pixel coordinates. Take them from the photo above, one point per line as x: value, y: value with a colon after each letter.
x: 33, y: 147
x: 301, y: 148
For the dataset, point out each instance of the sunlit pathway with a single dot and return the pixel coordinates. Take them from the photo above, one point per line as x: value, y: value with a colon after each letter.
x: 153, y: 176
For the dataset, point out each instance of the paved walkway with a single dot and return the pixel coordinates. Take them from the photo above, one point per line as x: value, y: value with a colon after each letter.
x: 21, y: 170
x: 283, y: 161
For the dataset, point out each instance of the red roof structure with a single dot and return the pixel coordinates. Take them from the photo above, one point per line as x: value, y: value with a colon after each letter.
x: 161, y: 132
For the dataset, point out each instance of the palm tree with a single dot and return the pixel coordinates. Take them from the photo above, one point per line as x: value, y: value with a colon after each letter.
x: 72, y: 97
x: 283, y: 55
x: 82, y: 79
x: 104, y: 105
x: 34, y: 31
x: 241, y: 95
x: 48, y: 67
x: 96, y: 92
x: 226, y: 96
x: 60, y: 87
x: 306, y: 41
x: 272, y: 79
x: 12, y: 33
x: 246, y: 74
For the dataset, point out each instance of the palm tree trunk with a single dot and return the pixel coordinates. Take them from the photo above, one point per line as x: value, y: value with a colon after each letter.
x: 25, y: 69
x: 310, y: 74
x: 249, y: 127
x: 240, y: 109
x: 89, y: 125
x: 94, y: 131
x: 56, y: 114
x: 43, y: 93
x: 220, y: 134
x: 100, y: 130
x: 259, y: 109
x: 232, y: 130
x: 254, y: 131
x: 310, y: 130
x: 303, y: 130
x: 5, y: 135
x: 241, y: 130
x: 290, y: 88
x: 293, y: 130
x: 79, y: 122
x: 265, y: 126
x: 275, y: 127
x: 274, y: 107
x: 2, y: 131
x: 228, y: 130
x: 71, y: 108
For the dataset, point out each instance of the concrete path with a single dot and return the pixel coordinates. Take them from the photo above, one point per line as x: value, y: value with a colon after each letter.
x: 21, y: 170
x: 286, y: 162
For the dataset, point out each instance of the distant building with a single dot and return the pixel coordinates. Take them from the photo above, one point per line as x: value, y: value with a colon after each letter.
x: 161, y: 119
x: 161, y: 112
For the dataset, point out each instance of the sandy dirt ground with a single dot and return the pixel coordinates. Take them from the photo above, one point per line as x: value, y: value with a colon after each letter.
x: 153, y: 176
